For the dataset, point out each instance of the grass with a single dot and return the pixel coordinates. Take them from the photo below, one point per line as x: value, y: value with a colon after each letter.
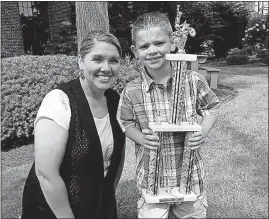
x: 237, y: 150
x: 235, y: 154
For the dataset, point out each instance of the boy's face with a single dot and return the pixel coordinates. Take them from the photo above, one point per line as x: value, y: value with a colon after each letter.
x: 151, y: 46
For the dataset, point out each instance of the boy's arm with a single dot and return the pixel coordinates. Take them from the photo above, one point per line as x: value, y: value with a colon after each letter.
x: 198, y: 138
x: 144, y: 138
x: 128, y: 123
x: 208, y: 107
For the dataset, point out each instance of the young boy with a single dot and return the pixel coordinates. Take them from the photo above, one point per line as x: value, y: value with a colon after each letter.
x: 149, y: 96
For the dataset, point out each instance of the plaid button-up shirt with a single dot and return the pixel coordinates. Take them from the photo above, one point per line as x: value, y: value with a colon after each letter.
x: 142, y: 101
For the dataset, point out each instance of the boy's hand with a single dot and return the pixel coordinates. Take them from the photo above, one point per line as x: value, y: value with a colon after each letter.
x: 196, y: 140
x: 149, y: 140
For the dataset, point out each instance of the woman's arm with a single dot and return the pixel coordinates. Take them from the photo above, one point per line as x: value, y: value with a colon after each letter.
x: 50, y: 144
x: 120, y: 168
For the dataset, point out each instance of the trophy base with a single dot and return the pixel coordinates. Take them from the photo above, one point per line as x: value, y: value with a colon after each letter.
x: 163, y: 197
x: 166, y: 127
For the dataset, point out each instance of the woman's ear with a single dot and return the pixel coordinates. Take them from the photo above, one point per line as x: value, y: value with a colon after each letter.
x: 134, y: 50
x: 80, y: 62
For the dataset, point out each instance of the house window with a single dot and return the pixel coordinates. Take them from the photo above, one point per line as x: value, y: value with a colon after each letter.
x: 27, y: 9
x: 35, y: 26
x: 261, y: 7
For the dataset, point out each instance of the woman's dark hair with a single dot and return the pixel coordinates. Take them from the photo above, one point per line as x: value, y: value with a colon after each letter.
x: 98, y: 36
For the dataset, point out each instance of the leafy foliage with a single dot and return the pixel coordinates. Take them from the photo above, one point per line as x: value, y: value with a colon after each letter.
x: 256, y: 35
x: 237, y: 51
x: 237, y: 59
x: 223, y: 23
x: 263, y: 55
x: 25, y: 82
x: 64, y: 42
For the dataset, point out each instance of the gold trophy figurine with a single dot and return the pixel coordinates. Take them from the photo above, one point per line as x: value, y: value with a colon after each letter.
x: 170, y: 194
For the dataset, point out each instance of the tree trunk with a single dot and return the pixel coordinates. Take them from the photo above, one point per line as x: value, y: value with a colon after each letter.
x: 91, y: 16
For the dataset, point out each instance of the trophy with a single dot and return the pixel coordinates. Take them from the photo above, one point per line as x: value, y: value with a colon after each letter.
x: 185, y: 191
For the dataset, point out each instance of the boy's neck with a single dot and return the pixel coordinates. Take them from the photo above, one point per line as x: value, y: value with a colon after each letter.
x: 161, y: 75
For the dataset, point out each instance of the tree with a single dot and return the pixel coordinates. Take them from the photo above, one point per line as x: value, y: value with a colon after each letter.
x: 91, y: 16
x: 222, y: 23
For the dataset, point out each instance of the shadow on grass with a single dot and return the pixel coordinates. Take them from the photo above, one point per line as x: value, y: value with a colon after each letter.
x: 127, y: 196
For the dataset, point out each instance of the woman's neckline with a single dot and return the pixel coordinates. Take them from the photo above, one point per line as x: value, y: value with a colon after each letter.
x: 102, y: 117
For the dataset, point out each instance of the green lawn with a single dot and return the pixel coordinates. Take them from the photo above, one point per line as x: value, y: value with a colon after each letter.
x: 235, y: 154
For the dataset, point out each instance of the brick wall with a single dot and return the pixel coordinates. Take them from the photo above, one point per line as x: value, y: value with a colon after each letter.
x: 58, y: 12
x: 11, y: 32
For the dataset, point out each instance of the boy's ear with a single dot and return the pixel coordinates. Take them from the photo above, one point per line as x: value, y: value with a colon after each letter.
x: 134, y: 50
x: 173, y: 45
x: 80, y: 62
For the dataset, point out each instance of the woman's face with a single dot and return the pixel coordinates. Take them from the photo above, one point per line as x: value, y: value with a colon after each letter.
x: 101, y: 66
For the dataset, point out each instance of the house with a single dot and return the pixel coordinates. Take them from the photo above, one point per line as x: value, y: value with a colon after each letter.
x: 26, y: 25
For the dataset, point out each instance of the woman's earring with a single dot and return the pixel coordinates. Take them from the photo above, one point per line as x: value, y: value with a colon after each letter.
x: 81, y: 75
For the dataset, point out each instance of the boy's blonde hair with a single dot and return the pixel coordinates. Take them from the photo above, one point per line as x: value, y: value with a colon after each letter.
x: 151, y: 19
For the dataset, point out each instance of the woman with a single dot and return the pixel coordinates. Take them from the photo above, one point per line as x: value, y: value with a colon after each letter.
x: 79, y: 146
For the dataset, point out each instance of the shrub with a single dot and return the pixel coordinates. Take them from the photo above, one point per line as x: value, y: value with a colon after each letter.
x: 129, y: 71
x: 25, y: 82
x: 237, y: 51
x: 263, y: 55
x: 265, y: 60
x: 256, y: 35
x: 237, y: 59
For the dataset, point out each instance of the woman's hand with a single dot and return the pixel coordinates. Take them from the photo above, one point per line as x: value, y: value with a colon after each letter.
x: 150, y: 140
x: 196, y: 140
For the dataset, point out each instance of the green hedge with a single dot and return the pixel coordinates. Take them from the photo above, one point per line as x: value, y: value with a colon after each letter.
x: 25, y: 82
x: 237, y: 59
x: 235, y: 52
x: 263, y: 55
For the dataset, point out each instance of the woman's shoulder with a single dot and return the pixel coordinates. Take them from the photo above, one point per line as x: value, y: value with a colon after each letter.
x: 57, y: 96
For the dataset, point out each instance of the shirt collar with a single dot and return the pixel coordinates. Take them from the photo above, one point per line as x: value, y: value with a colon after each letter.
x: 147, y: 80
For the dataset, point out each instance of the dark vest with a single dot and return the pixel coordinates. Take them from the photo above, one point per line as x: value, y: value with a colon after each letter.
x: 91, y: 195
